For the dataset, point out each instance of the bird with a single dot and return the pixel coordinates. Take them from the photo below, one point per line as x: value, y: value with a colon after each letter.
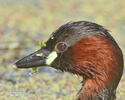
x: 86, y: 49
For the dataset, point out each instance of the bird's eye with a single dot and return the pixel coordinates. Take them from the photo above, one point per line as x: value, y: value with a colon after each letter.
x: 61, y: 47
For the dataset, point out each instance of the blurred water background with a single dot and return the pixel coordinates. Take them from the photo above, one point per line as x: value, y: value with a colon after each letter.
x: 23, y: 23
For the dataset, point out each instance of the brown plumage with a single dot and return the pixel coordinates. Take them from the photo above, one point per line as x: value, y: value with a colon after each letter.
x: 99, y: 67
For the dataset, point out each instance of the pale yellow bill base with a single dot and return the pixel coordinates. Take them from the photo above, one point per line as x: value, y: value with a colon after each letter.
x: 51, y: 57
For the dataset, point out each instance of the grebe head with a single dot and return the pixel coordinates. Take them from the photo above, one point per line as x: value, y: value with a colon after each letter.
x: 86, y: 49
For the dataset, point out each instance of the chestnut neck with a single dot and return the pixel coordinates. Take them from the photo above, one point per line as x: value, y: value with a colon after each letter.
x: 92, y: 91
x: 100, y: 62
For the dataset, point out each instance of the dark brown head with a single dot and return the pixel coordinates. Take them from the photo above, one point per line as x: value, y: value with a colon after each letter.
x: 85, y: 49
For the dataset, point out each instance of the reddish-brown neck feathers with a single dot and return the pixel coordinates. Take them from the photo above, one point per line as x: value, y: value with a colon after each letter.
x: 98, y: 60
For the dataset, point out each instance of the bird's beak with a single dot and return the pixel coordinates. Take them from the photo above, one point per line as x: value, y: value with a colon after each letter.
x: 39, y: 58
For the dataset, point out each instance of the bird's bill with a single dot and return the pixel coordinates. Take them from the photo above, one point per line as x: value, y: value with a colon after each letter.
x: 39, y: 58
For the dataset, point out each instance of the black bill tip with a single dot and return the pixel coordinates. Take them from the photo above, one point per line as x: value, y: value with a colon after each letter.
x: 33, y: 60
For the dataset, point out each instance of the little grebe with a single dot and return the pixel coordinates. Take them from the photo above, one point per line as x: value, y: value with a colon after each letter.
x: 86, y: 49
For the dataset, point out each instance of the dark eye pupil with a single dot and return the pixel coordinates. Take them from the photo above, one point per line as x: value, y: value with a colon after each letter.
x: 61, y: 46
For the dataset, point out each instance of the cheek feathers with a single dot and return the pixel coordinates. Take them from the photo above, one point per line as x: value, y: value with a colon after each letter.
x: 96, y: 56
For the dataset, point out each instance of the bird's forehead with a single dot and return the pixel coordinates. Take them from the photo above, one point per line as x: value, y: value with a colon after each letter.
x: 69, y: 37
